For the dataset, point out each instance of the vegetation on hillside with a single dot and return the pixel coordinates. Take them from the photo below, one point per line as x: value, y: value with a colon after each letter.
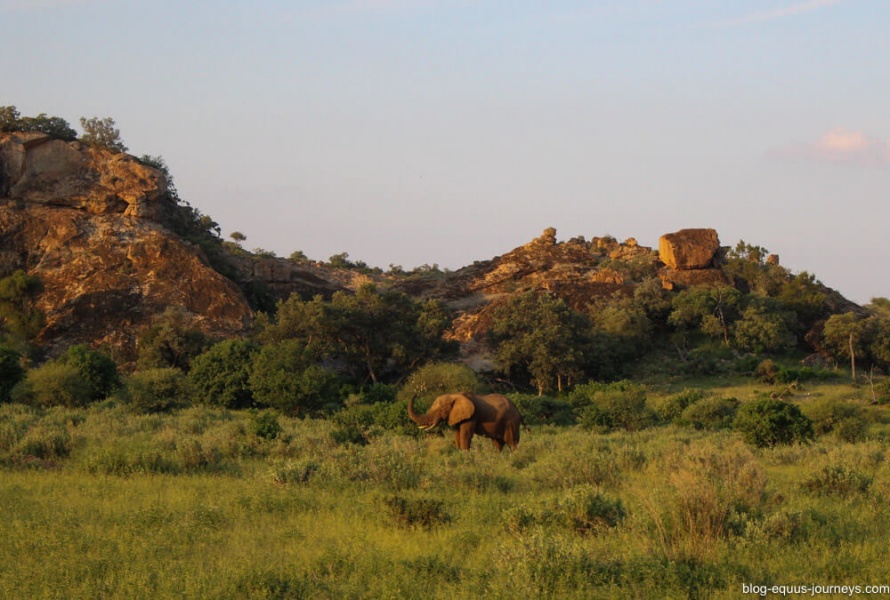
x: 676, y: 438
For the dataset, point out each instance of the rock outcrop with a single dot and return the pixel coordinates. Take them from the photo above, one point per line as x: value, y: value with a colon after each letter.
x: 577, y: 271
x: 87, y: 222
x: 689, y: 249
x: 690, y: 259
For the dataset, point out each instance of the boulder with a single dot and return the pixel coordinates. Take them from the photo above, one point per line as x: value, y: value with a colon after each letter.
x: 672, y: 279
x: 689, y: 249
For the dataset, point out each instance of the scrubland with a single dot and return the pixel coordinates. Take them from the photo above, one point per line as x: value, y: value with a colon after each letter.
x: 100, y: 502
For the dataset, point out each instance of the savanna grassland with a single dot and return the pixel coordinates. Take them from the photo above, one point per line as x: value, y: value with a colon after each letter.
x: 102, y: 502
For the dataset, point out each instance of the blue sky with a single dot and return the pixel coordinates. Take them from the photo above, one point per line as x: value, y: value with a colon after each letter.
x: 424, y: 131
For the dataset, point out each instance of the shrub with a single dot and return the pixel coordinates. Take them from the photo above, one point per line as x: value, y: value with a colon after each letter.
x: 156, y: 390
x: 836, y: 480
x: 420, y: 512
x: 769, y: 422
x: 96, y: 368
x: 610, y: 406
x: 11, y: 371
x: 221, y: 376
x: 844, y: 418
x: 52, y: 384
x: 435, y: 379
x: 264, y: 424
x: 710, y: 413
x: 541, y: 410
x: 45, y: 442
x: 702, y: 493
x: 670, y: 408
x: 295, y: 472
x: 366, y: 421
x: 585, y: 509
x: 174, y: 341
x: 283, y: 376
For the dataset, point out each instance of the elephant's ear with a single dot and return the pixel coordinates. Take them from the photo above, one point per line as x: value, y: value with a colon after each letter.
x: 462, y: 410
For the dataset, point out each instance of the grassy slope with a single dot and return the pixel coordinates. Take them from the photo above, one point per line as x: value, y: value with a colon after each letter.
x: 108, y: 504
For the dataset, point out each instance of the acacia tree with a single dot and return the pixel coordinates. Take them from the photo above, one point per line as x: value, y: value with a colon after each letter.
x: 863, y: 341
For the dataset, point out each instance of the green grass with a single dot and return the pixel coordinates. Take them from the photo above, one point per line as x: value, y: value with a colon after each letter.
x: 101, y: 503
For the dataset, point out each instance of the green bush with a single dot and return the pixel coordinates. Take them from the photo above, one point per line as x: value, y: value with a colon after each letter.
x: 710, y: 413
x: 156, y: 390
x: 845, y: 419
x: 96, y: 368
x: 435, y: 379
x: 366, y: 421
x: 769, y: 422
x: 542, y: 410
x: 264, y: 424
x: 284, y: 377
x: 416, y: 512
x: 52, y: 384
x: 221, y: 376
x: 670, y: 408
x: 837, y: 480
x: 585, y: 509
x: 607, y: 406
x: 11, y: 371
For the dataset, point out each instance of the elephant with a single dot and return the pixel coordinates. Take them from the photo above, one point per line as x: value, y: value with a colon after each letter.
x: 493, y: 416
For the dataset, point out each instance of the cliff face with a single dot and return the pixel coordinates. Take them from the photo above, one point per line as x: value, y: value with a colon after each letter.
x: 87, y: 223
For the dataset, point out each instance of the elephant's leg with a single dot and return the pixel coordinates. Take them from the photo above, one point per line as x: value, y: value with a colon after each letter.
x: 511, y: 436
x: 463, y: 435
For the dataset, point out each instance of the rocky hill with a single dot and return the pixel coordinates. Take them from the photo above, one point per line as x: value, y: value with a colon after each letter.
x: 88, y: 223
x: 96, y: 227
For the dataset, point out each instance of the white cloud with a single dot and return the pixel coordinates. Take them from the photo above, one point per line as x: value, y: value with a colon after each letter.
x: 841, y: 146
x: 781, y: 12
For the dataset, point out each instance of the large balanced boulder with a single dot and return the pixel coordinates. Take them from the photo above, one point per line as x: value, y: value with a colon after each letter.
x: 689, y: 249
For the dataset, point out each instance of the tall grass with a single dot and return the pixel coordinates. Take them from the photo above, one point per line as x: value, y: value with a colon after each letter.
x: 206, y: 503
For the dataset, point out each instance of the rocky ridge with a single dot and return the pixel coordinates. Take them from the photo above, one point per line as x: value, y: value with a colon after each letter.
x: 93, y: 225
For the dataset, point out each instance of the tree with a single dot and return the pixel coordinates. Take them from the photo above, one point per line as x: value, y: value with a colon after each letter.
x: 285, y: 376
x: 765, y: 326
x: 11, y: 371
x: 53, y: 384
x: 712, y: 310
x: 18, y: 317
x: 9, y: 119
x: 55, y: 127
x: 96, y: 368
x: 102, y: 133
x: 157, y: 390
x: 221, y: 376
x: 375, y: 336
x: 172, y: 342
x: 539, y: 338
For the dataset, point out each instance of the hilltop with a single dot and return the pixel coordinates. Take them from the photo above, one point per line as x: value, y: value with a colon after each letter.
x: 114, y: 247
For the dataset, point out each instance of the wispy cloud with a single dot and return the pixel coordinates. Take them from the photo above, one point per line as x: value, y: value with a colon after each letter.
x: 780, y: 12
x: 841, y: 146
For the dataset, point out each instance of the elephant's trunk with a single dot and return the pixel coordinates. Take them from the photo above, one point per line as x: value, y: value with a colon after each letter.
x: 423, y: 421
